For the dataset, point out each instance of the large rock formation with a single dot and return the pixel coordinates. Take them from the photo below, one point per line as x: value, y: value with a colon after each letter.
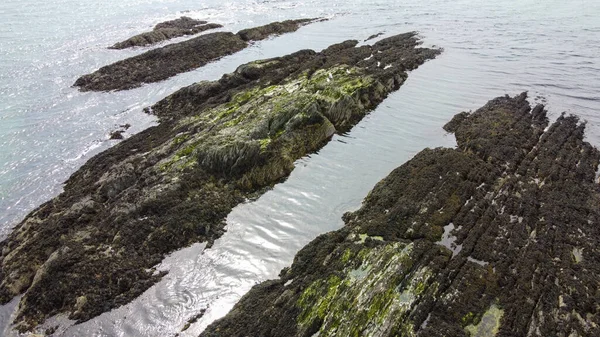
x: 165, y: 31
x: 498, y: 237
x: 161, y: 63
x: 93, y: 247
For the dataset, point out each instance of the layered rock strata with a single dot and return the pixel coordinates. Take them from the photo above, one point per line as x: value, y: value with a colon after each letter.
x: 165, y: 31
x: 161, y: 63
x: 218, y: 143
x: 498, y: 237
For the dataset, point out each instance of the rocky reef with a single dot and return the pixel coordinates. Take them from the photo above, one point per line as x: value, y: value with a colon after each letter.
x: 165, y: 31
x: 217, y: 143
x: 498, y: 237
x: 161, y: 63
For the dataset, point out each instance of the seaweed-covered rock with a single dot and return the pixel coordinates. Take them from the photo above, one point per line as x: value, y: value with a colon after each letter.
x: 275, y: 28
x: 161, y: 63
x: 183, y: 22
x: 93, y: 247
x: 167, y: 30
x: 498, y: 237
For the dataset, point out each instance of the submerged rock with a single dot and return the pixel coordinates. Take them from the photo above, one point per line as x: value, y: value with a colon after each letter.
x: 161, y: 63
x: 374, y: 36
x: 115, y: 135
x: 118, y: 134
x: 167, y: 30
x: 93, y: 247
x: 522, y: 198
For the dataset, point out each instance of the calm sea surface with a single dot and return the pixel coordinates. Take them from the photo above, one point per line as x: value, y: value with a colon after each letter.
x: 48, y: 129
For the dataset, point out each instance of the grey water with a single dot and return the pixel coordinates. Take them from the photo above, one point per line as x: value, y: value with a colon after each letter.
x: 48, y: 129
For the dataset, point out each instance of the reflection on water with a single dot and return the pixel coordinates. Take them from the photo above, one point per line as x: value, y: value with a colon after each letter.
x: 48, y: 129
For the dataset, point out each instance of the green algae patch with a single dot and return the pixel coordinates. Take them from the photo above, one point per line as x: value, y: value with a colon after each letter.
x: 369, y: 299
x: 347, y: 255
x: 468, y: 318
x: 363, y: 237
x: 287, y: 120
x: 488, y: 325
x: 319, y: 305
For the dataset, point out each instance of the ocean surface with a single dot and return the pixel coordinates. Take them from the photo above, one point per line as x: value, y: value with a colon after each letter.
x: 48, y: 129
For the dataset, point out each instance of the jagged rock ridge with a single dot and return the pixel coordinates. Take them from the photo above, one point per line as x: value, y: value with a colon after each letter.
x: 498, y: 237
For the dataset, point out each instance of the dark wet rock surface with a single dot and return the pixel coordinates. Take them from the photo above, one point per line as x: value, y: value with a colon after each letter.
x: 374, y: 36
x: 218, y: 143
x: 118, y: 134
x: 167, y: 30
x: 275, y: 28
x: 193, y: 320
x: 522, y: 198
x: 161, y: 63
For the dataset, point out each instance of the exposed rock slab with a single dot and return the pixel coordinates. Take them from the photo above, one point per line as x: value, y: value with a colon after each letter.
x: 161, y: 63
x: 525, y: 256
x: 167, y: 30
x: 93, y: 247
x: 275, y: 28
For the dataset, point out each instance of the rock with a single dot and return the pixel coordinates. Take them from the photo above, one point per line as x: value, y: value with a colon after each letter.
x: 183, y: 22
x: 80, y: 303
x: 193, y: 320
x: 517, y: 204
x: 374, y: 36
x: 50, y: 331
x: 161, y: 63
x: 117, y: 134
x: 275, y: 28
x: 172, y: 185
x: 167, y: 30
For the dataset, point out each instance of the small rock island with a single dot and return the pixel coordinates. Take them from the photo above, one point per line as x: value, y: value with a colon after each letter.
x: 165, y: 31
x: 162, y: 63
